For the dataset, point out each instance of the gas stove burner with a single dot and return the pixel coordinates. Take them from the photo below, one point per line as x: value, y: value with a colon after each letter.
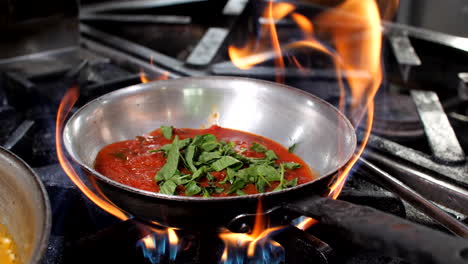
x: 396, y: 117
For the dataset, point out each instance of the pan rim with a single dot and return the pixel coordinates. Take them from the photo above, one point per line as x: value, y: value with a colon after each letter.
x: 43, y: 242
x: 161, y: 83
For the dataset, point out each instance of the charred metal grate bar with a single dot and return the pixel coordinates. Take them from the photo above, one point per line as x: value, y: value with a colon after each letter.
x: 125, y: 60
x: 207, y: 47
x: 18, y: 140
x: 463, y: 86
x: 404, y: 52
x: 155, y: 19
x: 442, y: 139
x: 437, y: 189
x: 134, y: 5
x: 139, y: 51
x: 228, y: 68
x: 234, y: 7
x: 414, y: 198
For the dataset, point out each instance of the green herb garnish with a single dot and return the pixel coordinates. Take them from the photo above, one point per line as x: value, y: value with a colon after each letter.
x: 168, y: 170
x: 292, y: 148
x: 224, y: 162
x: 204, y: 154
x: 119, y: 155
x: 258, y: 148
x: 166, y: 131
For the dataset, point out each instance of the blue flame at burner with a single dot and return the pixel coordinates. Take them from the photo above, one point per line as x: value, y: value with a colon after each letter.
x: 156, y: 247
x: 267, y: 251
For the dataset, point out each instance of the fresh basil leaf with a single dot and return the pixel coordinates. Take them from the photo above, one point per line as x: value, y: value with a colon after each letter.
x: 182, y: 179
x: 242, y: 174
x: 291, y: 183
x: 206, y: 193
x: 269, y: 172
x: 206, y: 157
x: 197, y: 140
x: 119, y: 155
x: 218, y: 190
x: 224, y: 162
x: 292, y: 148
x: 199, y: 173
x: 228, y: 149
x: 258, y: 147
x: 210, y: 177
x: 242, y: 158
x: 168, y: 187
x: 192, y: 188
x: 270, y: 155
x: 260, y: 185
x: 240, y: 193
x: 184, y: 143
x: 189, y: 154
x: 164, y: 148
x: 237, y: 167
x: 230, y: 174
x: 261, y: 161
x: 172, y: 162
x: 291, y: 165
x: 166, y: 131
x: 239, y: 184
x: 209, y: 146
x: 208, y: 138
x: 280, y: 185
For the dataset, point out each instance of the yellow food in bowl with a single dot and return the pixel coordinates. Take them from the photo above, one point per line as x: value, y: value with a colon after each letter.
x: 7, y: 248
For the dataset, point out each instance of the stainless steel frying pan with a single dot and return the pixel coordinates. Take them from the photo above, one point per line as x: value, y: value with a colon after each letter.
x: 326, y: 142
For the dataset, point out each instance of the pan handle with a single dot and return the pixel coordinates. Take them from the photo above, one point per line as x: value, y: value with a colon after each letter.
x: 375, y: 230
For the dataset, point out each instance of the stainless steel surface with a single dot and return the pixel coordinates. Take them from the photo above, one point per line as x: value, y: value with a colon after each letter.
x: 43, y: 62
x: 403, y: 50
x: 24, y: 207
x: 453, y: 175
x: 19, y: 132
x: 463, y: 86
x: 415, y: 199
x: 234, y: 7
x: 441, y: 137
x: 154, y: 19
x: 124, y: 59
x: 207, y: 47
x: 431, y: 187
x: 456, y: 42
x: 133, y: 5
x: 139, y: 51
x: 228, y: 68
x: 287, y: 115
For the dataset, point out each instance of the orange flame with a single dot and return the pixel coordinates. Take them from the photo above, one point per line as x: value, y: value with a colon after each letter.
x: 241, y: 56
x: 145, y: 79
x: 173, y: 239
x: 149, y: 242
x: 96, y: 196
x: 65, y: 106
x: 155, y: 244
x: 357, y: 43
x: 250, y: 240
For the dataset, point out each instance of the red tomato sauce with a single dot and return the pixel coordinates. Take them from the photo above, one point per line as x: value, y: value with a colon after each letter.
x: 130, y: 162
